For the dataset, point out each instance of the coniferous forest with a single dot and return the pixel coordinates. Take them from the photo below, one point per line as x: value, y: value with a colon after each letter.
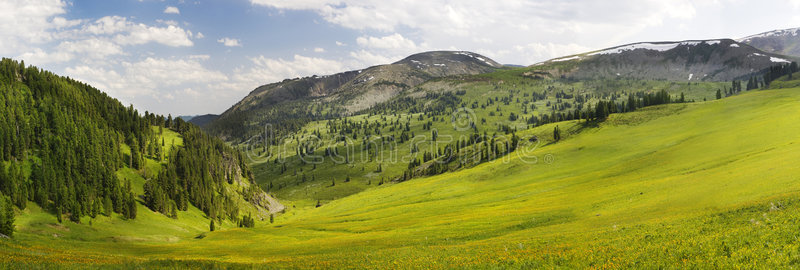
x: 63, y: 141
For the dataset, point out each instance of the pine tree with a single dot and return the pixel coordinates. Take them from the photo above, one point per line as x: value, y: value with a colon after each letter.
x: 58, y: 214
x: 211, y: 225
x: 556, y: 134
x: 719, y: 94
x: 6, y: 216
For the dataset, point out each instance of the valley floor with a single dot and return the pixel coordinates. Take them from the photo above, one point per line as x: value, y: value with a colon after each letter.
x: 712, y: 184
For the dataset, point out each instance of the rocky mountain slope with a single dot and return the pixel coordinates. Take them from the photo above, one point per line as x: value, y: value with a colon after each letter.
x: 292, y: 102
x: 691, y: 60
x: 785, y: 41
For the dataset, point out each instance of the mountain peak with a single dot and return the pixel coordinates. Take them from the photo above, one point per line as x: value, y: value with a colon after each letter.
x: 782, y: 41
x: 441, y: 58
x: 774, y: 33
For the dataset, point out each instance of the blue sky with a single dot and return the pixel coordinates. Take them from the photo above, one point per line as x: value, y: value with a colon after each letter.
x: 196, y: 57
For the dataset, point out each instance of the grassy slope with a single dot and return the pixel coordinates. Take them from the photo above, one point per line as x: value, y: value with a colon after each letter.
x: 289, y: 187
x: 683, y: 184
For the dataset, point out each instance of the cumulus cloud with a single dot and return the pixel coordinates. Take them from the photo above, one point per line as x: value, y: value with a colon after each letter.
x: 172, y: 10
x: 146, y: 77
x: 266, y: 70
x: 477, y: 24
x: 319, y: 50
x: 129, y: 33
x: 229, y: 42
x: 95, y: 48
x: 395, y: 41
x: 27, y: 22
x: 38, y: 56
x: 364, y: 58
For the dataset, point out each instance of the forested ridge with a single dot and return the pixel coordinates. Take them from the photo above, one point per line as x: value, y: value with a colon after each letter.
x: 62, y: 142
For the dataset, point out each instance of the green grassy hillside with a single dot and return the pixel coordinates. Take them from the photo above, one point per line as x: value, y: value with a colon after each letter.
x: 710, y: 184
x: 498, y: 104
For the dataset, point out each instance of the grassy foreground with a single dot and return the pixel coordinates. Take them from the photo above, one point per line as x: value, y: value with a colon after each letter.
x: 712, y: 184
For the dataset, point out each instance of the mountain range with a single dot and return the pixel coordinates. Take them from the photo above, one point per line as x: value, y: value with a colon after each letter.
x: 291, y: 103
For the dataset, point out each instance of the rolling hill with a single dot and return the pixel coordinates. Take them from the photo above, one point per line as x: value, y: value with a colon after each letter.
x: 691, y: 60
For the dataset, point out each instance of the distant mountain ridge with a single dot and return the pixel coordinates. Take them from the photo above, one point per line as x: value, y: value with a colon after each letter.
x: 294, y: 101
x: 200, y: 120
x: 705, y: 60
x: 784, y: 41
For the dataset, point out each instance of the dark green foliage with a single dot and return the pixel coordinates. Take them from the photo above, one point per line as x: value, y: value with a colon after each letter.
x: 76, y: 134
x: 6, y: 216
x: 248, y: 221
x: 74, y: 130
x: 196, y: 174
x: 556, y: 134
x: 211, y: 226
x: 775, y: 72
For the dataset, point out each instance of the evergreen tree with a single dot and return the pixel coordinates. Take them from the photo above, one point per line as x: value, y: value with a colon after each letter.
x: 6, y: 216
x: 211, y: 225
x: 556, y: 134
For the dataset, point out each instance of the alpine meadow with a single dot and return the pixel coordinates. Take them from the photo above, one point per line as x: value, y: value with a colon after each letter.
x: 373, y: 135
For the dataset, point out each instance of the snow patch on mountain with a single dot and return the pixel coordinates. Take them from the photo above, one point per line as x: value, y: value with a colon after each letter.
x: 477, y: 57
x: 781, y: 33
x: 661, y: 47
x: 567, y: 58
x: 778, y: 60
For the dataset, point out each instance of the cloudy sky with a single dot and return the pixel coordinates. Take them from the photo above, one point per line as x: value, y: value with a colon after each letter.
x: 188, y: 57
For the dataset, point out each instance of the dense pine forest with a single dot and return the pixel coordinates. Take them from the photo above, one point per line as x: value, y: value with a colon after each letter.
x: 63, y: 141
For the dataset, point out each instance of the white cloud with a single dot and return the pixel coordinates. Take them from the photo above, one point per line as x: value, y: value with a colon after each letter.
x: 534, y: 52
x: 319, y: 50
x: 60, y: 22
x: 364, y: 58
x: 27, y: 22
x: 129, y: 33
x: 107, y: 25
x: 200, y: 57
x: 229, y: 42
x: 37, y: 56
x: 140, y: 34
x: 266, y: 70
x: 340, y: 44
x: 492, y: 26
x: 395, y: 41
x: 94, y: 48
x: 199, y: 35
x: 147, y: 78
x: 298, y: 66
x: 169, y: 22
x: 172, y: 10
